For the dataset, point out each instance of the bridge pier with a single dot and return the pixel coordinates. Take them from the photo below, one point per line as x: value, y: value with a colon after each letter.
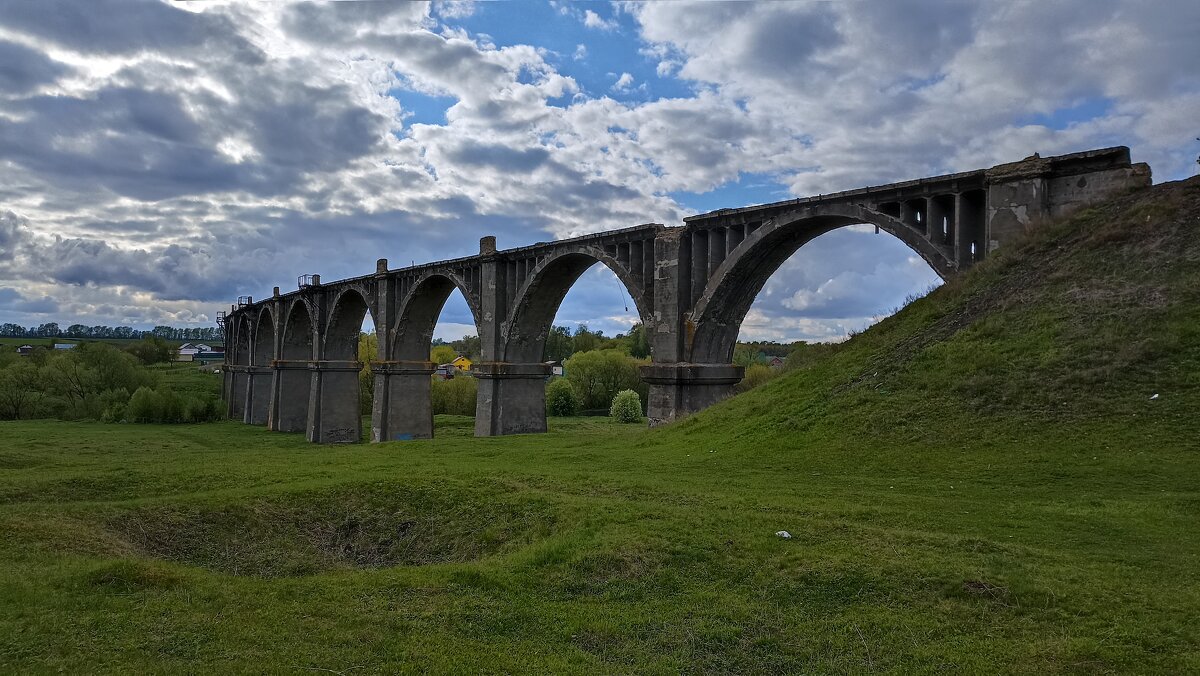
x: 402, y: 408
x: 289, y: 396
x: 679, y: 390
x: 512, y: 398
x: 235, y: 394
x: 258, y: 394
x: 334, y: 414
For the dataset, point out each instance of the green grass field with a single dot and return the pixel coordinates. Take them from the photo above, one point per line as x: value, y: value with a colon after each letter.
x: 982, y: 483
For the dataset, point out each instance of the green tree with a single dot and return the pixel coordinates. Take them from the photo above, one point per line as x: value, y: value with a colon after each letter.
x: 626, y: 407
x: 561, y: 399
x: 368, y: 351
x: 21, y: 390
x: 584, y: 340
x: 559, y: 344
x: 598, y: 375
x: 468, y: 346
x: 145, y: 406
x: 442, y: 354
x: 745, y: 355
x: 152, y: 350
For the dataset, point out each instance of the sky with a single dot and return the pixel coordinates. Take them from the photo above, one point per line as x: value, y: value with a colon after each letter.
x: 159, y: 160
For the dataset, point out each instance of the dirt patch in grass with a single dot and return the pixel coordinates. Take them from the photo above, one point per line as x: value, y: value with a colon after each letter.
x: 372, y: 526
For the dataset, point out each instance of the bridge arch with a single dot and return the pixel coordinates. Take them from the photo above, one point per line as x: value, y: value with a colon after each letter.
x: 241, y: 340
x: 297, y: 332
x: 347, y: 311
x: 538, y: 299
x: 716, y: 317
x: 264, y: 337
x: 420, y: 310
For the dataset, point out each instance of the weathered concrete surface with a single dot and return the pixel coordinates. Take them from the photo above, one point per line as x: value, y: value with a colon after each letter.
x: 402, y: 409
x: 334, y: 414
x: 692, y: 287
x: 258, y: 394
x: 511, y: 399
x: 677, y: 390
x: 289, y: 396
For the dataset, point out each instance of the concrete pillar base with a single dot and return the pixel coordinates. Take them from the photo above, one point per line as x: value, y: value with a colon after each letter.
x: 334, y: 415
x: 235, y: 397
x: 512, y: 398
x: 679, y: 390
x: 258, y: 394
x: 402, y: 408
x: 289, y: 396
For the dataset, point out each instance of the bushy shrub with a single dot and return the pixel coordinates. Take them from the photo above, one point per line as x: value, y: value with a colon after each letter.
x: 561, y: 399
x: 144, y: 406
x: 756, y: 374
x: 455, y: 396
x: 599, y: 375
x: 626, y: 407
x: 202, y: 409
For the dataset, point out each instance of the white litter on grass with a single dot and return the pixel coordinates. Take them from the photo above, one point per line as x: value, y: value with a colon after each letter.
x: 1154, y: 396
x: 783, y: 534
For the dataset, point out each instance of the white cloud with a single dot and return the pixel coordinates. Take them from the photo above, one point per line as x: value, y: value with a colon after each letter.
x: 623, y: 83
x: 594, y: 20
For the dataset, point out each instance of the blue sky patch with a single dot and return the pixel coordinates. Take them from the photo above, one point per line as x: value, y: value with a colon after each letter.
x: 748, y: 190
x: 1062, y: 118
x: 423, y: 108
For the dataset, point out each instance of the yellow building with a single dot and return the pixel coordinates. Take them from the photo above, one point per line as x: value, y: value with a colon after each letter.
x: 462, y: 363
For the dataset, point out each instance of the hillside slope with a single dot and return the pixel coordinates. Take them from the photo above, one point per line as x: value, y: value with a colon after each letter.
x: 1086, y: 319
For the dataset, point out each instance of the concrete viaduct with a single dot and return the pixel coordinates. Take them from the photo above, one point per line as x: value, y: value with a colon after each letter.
x: 291, y: 359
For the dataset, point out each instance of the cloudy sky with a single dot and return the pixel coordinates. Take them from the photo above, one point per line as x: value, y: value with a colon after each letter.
x: 158, y: 160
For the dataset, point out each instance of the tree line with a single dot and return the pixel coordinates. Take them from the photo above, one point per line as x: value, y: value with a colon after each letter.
x: 562, y: 342
x: 98, y: 381
x: 53, y: 330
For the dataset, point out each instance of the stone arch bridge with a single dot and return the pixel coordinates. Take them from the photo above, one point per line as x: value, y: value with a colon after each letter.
x: 291, y: 359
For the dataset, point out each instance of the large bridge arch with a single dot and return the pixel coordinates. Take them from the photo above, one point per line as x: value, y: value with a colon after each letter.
x: 539, y: 298
x: 348, y: 309
x: 298, y: 330
x: 717, y: 316
x: 419, y: 311
x: 259, y: 373
x: 263, y: 341
x: 289, y: 409
x: 335, y: 414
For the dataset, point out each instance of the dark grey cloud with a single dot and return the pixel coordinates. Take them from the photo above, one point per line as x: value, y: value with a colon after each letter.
x: 17, y: 303
x: 127, y: 27
x: 22, y: 69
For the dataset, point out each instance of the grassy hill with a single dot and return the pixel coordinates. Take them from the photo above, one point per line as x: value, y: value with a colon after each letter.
x: 981, y: 483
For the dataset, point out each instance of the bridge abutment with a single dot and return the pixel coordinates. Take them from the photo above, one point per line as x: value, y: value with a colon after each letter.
x: 511, y: 399
x: 679, y: 390
x: 402, y: 408
x: 334, y: 414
